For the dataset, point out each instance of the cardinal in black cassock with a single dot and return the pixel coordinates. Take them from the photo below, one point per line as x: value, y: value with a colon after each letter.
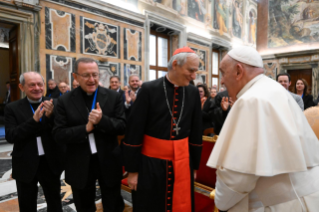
x: 164, y: 139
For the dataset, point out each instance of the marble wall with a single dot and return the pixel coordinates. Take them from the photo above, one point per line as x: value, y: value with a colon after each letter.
x: 59, y: 30
x: 71, y: 31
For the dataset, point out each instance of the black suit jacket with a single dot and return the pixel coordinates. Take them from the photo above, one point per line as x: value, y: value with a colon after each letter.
x: 219, y: 116
x: 70, y: 129
x: 207, y: 112
x: 122, y: 93
x: 308, y: 101
x: 22, y: 130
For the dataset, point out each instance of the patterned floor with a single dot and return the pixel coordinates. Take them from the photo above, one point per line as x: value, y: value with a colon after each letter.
x: 8, y: 191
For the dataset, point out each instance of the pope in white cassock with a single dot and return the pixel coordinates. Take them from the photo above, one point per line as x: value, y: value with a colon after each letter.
x: 266, y: 156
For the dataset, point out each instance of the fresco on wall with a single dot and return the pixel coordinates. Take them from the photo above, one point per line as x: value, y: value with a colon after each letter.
x: 130, y: 69
x: 59, y: 30
x: 237, y: 18
x: 202, y: 58
x: 107, y: 70
x: 59, y: 68
x: 197, y: 9
x: 222, y: 14
x: 293, y: 22
x: 252, y: 26
x: 132, y: 45
x: 98, y: 38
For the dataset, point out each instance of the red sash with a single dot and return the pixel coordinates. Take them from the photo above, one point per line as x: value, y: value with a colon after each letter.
x: 177, y: 152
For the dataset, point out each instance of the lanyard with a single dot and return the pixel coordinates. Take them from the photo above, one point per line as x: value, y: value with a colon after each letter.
x: 33, y: 111
x: 302, y: 96
x: 94, y: 100
x: 50, y: 95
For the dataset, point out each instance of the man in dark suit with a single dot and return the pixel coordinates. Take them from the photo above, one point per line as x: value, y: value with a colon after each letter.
x: 8, y: 94
x: 115, y: 85
x: 130, y: 95
x: 35, y: 156
x: 88, y: 120
x: 222, y: 104
x: 52, y: 90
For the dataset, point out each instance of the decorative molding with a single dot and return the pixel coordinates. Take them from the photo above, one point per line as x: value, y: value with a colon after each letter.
x: 283, y: 60
x: 28, y: 4
x: 104, y: 9
x: 221, y: 42
x: 198, y: 39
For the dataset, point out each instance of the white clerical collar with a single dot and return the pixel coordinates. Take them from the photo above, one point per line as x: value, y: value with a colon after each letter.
x: 34, y: 102
x: 248, y: 85
x: 170, y: 80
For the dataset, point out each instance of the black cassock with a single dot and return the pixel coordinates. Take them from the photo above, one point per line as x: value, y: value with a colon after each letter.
x: 150, y: 116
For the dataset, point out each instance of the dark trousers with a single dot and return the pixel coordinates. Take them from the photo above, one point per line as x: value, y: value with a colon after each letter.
x: 84, y: 199
x: 28, y: 192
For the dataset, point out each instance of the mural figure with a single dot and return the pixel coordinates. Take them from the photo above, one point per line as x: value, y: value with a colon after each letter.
x: 293, y: 22
x: 252, y: 27
x: 102, y: 40
x: 196, y: 9
x: 237, y: 18
x: 180, y: 6
x: 221, y: 15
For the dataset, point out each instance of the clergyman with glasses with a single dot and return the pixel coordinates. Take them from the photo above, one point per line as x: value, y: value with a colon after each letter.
x: 88, y: 120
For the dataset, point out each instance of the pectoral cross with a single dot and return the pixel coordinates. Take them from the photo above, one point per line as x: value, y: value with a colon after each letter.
x: 177, y: 129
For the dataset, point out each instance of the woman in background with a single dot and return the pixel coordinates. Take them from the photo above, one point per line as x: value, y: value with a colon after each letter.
x: 207, y: 106
x: 301, y: 89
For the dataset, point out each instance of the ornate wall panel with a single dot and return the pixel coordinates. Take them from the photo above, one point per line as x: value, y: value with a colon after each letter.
x: 114, y: 40
x: 59, y: 68
x: 99, y: 38
x: 132, y: 45
x: 202, y: 51
x: 130, y: 69
x: 107, y: 70
x: 59, y: 30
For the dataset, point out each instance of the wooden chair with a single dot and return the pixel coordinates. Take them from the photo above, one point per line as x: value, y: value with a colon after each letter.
x: 206, y: 176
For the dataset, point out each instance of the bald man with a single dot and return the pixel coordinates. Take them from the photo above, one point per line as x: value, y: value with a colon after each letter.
x: 63, y: 87
x: 52, y: 90
x: 267, y: 154
x: 75, y: 84
x: 36, y: 158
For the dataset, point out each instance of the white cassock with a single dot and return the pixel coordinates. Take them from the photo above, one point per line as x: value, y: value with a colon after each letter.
x: 267, y: 155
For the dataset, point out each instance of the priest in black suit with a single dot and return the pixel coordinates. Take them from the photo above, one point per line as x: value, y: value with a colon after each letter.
x: 115, y: 85
x: 164, y: 139
x: 88, y: 120
x: 52, y: 90
x: 35, y: 157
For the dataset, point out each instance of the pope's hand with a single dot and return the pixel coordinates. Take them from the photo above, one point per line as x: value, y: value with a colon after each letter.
x: 96, y: 115
x: 48, y: 108
x: 132, y: 179
x: 38, y: 113
x: 224, y: 103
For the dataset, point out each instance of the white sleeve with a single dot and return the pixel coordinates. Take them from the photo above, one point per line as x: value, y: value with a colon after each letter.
x: 232, y: 187
x: 127, y: 105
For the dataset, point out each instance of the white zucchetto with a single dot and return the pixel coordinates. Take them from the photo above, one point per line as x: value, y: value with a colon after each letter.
x: 247, y: 55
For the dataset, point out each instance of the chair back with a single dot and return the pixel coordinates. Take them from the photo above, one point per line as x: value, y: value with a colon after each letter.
x: 312, y: 115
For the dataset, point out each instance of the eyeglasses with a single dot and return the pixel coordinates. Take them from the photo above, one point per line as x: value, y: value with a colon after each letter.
x: 88, y: 76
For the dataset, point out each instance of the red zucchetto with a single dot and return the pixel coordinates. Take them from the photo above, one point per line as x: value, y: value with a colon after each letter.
x: 185, y: 49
